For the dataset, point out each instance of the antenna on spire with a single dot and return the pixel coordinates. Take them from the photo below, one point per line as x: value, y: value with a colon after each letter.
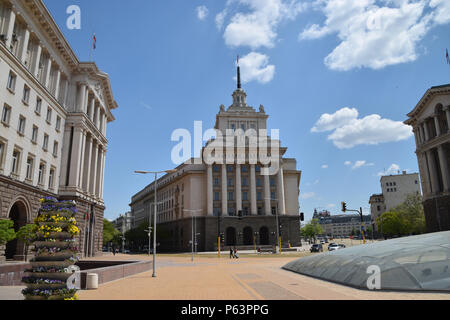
x: 238, y: 74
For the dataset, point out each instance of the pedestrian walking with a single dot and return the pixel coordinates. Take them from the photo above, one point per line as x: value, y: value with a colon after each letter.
x: 235, y: 253
x: 231, y: 253
x: 114, y: 249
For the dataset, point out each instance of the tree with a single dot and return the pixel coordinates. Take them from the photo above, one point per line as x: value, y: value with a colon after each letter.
x: 405, y: 219
x: 312, y: 229
x: 109, y: 232
x: 27, y: 234
x: 7, y: 232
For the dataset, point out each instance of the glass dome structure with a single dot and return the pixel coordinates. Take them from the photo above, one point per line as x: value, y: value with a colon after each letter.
x: 416, y: 263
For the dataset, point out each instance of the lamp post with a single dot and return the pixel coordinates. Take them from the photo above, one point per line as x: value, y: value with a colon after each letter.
x: 154, y: 217
x: 192, y: 243
x: 254, y: 239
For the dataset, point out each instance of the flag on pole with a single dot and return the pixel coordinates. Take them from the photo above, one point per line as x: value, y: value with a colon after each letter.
x: 446, y: 55
x: 237, y: 59
x: 94, y: 42
x: 86, y: 217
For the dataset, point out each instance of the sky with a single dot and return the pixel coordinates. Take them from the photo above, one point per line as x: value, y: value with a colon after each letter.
x: 336, y: 77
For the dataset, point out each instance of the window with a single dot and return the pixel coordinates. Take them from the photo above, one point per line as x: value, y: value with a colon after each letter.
x: 259, y: 196
x: 233, y: 126
x: 243, y: 127
x: 230, y: 168
x: 244, y: 182
x: 216, y: 196
x: 216, y: 168
x: 6, y: 114
x: 258, y: 182
x: 21, y: 126
x: 216, y: 212
x: 259, y: 211
x: 58, y: 123
x: 244, y: 196
x: 45, y: 144
x: 55, y: 148
x: 38, y: 106
x: 257, y: 168
x: 216, y: 181
x: 272, y: 195
x: 244, y: 169
x: 230, y: 196
x: 11, y: 85
x: 15, y: 162
x: 51, y: 176
x: 416, y: 182
x: 274, y: 210
x: 272, y: 182
x: 30, y: 162
x: 230, y: 182
x: 49, y: 115
x: 231, y: 211
x: 26, y: 95
x: 41, y: 173
x: 34, y: 134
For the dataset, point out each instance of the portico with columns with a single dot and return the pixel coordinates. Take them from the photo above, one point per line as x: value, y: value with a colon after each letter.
x: 430, y: 121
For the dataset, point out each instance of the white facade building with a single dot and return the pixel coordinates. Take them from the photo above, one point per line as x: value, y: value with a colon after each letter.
x: 54, y: 114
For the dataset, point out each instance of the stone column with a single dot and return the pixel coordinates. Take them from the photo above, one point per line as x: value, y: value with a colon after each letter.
x: 437, y: 125
x: 76, y: 157
x: 98, y: 173
x: 11, y: 19
x: 97, y: 116
x: 102, y: 173
x: 209, y: 190
x: 93, y: 176
x: 444, y: 168
x: 36, y: 60
x: 82, y: 150
x: 91, y: 108
x: 433, y: 173
x: 253, y: 207
x: 267, y: 200
x: 447, y: 114
x: 57, y: 84
x: 24, y: 48
x: 224, y: 190
x: 238, y: 188
x: 48, y: 68
x: 281, y: 201
x: 425, y: 130
x: 87, y: 164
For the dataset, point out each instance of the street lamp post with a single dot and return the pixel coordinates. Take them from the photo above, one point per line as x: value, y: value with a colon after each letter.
x: 155, y: 212
x: 192, y: 241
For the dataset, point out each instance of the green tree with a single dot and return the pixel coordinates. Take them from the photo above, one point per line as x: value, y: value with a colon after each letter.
x: 27, y: 234
x: 7, y: 232
x: 392, y: 223
x: 312, y: 229
x: 109, y: 232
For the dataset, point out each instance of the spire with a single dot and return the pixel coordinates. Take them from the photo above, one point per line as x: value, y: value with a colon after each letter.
x: 238, y: 74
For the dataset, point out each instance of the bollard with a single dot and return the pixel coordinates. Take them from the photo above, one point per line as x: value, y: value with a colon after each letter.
x: 92, y: 281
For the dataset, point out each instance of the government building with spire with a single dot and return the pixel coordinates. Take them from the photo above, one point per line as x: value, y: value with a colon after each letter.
x: 233, y: 193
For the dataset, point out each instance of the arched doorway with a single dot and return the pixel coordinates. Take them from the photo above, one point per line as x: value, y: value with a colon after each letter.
x: 231, y: 236
x: 264, y: 236
x: 248, y: 236
x: 15, y: 249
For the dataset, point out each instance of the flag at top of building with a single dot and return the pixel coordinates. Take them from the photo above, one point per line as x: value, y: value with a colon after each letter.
x: 94, y: 42
x: 447, y: 57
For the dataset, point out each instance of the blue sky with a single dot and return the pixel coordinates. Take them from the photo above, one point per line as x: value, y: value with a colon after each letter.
x: 351, y: 70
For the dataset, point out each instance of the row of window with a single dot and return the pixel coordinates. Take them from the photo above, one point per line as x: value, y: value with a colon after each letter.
x: 244, y: 182
x: 16, y: 163
x: 11, y: 84
x: 245, y: 211
x: 392, y: 190
x: 390, y: 184
x: 230, y: 168
x: 245, y: 196
x: 5, y: 119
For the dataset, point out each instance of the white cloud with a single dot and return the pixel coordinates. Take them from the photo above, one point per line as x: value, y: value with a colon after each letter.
x: 376, y: 34
x: 393, y: 169
x: 257, y: 26
x: 362, y: 163
x: 202, y: 12
x: 255, y: 67
x: 325, y: 166
x: 348, y: 163
x: 328, y: 122
x: 370, y: 130
x: 307, y: 195
x: 316, y: 181
x: 220, y: 18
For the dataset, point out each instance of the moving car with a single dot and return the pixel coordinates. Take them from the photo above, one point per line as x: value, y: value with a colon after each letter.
x: 316, y: 248
x: 333, y: 247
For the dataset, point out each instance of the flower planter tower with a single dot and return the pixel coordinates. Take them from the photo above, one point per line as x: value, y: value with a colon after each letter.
x: 55, y: 252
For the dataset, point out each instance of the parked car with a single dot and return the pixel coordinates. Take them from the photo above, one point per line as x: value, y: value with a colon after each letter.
x: 333, y: 247
x: 316, y: 248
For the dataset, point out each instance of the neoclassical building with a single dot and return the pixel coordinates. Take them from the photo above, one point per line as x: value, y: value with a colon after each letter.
x: 213, y: 191
x: 430, y: 120
x: 54, y: 114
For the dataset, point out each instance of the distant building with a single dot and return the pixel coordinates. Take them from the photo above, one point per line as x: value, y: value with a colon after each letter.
x: 320, y: 214
x: 395, y: 190
x: 123, y: 223
x: 430, y: 120
x: 342, y: 225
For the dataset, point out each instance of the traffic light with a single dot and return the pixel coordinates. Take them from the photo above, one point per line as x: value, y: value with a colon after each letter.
x: 222, y: 237
x: 280, y: 229
x: 344, y: 207
x: 302, y: 216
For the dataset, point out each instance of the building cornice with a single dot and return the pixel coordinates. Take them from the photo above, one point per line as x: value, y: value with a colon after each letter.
x: 430, y: 94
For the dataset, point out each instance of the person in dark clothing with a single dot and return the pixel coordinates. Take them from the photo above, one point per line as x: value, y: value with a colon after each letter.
x: 114, y: 249
x: 231, y: 253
